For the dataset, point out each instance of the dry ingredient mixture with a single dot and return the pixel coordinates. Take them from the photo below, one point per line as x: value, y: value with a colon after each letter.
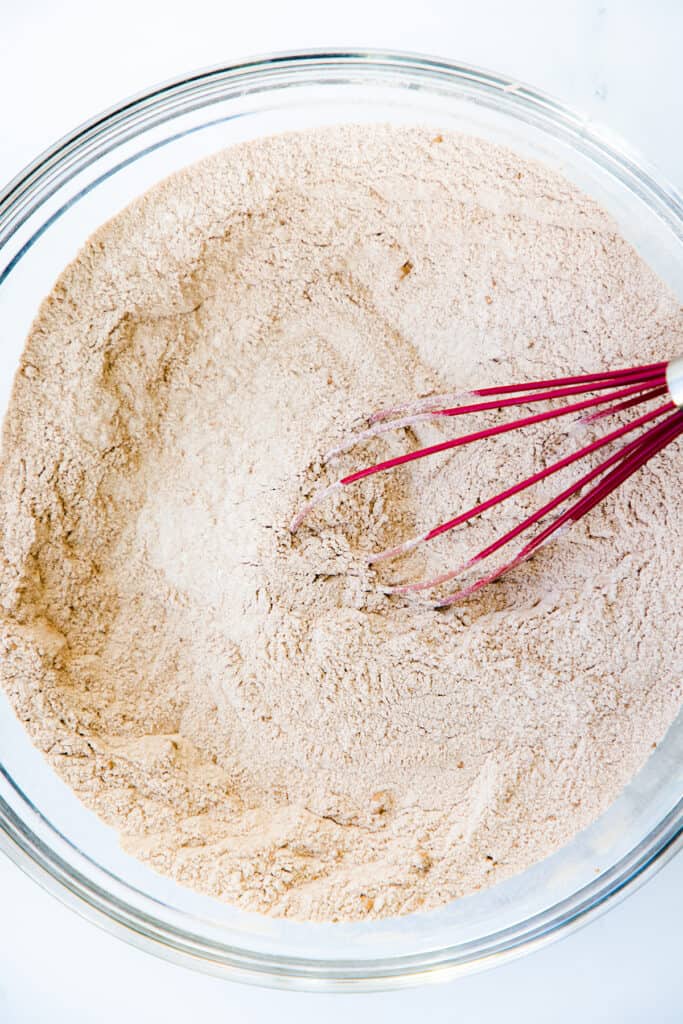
x: 247, y: 708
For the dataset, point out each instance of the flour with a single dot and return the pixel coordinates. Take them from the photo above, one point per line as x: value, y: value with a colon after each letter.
x: 246, y: 707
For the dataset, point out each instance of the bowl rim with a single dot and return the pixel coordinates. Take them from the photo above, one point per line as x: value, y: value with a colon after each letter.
x: 21, y: 836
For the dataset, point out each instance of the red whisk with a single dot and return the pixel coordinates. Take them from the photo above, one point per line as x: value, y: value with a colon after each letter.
x: 611, y: 391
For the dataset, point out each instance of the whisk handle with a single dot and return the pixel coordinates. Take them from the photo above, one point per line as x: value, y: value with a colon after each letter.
x: 674, y: 380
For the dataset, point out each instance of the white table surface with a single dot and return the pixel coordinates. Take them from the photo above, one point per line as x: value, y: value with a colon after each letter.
x: 61, y: 62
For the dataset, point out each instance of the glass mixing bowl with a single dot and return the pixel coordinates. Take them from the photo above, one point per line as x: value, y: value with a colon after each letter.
x: 46, y: 214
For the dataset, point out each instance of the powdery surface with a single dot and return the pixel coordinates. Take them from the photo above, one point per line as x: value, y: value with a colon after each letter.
x: 249, y: 710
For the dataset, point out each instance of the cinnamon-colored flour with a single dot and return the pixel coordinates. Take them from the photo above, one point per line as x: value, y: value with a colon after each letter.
x: 247, y: 707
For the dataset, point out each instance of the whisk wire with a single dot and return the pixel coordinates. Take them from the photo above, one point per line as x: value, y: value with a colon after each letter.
x: 614, y: 376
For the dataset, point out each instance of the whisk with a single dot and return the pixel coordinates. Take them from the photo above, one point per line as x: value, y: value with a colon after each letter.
x: 610, y: 392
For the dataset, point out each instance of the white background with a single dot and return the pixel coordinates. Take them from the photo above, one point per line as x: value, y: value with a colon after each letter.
x: 61, y: 62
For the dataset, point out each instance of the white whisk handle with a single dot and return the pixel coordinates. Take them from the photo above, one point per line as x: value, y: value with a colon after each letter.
x: 674, y: 381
